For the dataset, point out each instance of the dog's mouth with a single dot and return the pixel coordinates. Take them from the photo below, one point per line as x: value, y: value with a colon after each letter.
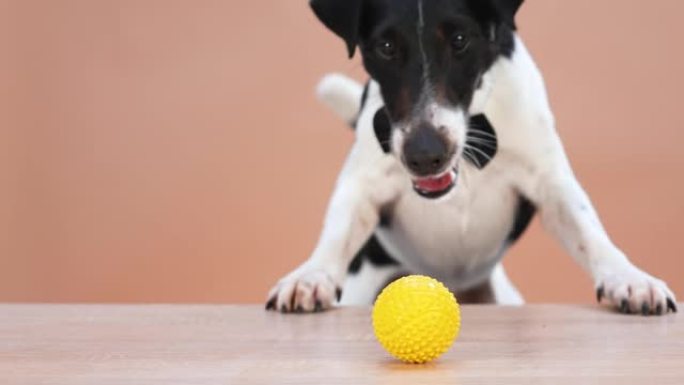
x: 433, y: 187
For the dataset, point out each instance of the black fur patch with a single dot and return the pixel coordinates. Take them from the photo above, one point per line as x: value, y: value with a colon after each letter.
x: 383, y: 129
x: 500, y: 16
x: 373, y: 253
x: 506, y: 42
x: 523, y: 217
x: 385, y: 218
x: 341, y: 17
x: 364, y: 97
x: 481, y: 142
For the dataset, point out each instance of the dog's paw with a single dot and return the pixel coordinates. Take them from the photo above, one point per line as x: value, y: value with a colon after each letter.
x: 303, y: 292
x: 635, y: 292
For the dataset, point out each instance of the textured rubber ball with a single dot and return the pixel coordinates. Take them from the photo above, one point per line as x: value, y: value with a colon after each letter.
x: 416, y: 319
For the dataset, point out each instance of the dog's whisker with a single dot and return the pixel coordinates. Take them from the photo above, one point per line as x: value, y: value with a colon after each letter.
x: 488, y: 145
x: 472, y: 130
x: 485, y: 155
x: 469, y: 157
x: 480, y: 139
x: 469, y: 136
x: 472, y: 158
x: 485, y: 144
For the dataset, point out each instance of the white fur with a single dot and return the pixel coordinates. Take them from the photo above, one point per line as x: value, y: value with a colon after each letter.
x: 341, y: 94
x: 504, y: 291
x: 461, y: 237
x: 362, y: 287
x: 449, y: 119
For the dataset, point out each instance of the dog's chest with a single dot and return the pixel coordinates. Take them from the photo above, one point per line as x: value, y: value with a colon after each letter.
x: 457, y: 237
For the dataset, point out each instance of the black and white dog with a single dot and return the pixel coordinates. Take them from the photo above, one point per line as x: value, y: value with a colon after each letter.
x: 455, y: 151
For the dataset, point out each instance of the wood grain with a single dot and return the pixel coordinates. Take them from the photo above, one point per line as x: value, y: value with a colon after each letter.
x: 203, y: 344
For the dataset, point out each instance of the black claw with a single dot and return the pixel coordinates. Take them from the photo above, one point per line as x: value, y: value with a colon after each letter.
x: 271, y: 304
x: 338, y: 294
x: 671, y: 305
x: 624, y: 307
x: 659, y: 309
x: 599, y: 294
x: 318, y: 306
x: 645, y: 309
x: 299, y: 309
x: 283, y: 308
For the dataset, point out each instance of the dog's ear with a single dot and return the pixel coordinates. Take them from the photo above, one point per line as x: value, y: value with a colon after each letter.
x: 342, y: 17
x: 508, y: 9
x: 497, y: 11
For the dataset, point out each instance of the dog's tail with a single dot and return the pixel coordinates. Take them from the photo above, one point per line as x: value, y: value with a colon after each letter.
x: 342, y: 94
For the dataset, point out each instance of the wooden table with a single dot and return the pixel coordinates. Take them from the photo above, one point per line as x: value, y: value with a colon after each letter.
x: 200, y: 344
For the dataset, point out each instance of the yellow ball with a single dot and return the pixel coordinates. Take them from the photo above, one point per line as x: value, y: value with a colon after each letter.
x: 416, y: 318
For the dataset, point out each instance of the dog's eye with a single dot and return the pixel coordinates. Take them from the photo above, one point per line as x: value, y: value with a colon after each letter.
x: 386, y: 50
x: 459, y: 42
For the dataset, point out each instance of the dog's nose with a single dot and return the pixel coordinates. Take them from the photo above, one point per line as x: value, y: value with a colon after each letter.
x: 426, y: 151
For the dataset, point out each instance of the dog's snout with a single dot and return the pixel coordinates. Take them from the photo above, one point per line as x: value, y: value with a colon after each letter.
x: 426, y: 151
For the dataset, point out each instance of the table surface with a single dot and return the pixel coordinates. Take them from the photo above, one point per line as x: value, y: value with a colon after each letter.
x: 224, y: 344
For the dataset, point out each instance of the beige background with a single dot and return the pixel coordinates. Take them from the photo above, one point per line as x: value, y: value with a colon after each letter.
x: 174, y: 151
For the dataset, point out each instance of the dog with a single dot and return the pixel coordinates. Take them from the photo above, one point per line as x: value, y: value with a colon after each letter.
x: 455, y: 152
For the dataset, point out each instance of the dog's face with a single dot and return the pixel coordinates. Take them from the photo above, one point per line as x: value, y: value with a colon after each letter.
x: 428, y: 56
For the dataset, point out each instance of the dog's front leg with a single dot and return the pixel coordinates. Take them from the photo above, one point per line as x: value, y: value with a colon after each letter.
x: 316, y: 284
x: 364, y: 187
x: 568, y: 213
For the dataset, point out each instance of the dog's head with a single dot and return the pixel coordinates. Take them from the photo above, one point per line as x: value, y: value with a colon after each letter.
x: 429, y: 57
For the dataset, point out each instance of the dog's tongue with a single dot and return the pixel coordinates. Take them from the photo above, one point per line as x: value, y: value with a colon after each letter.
x: 434, y: 184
